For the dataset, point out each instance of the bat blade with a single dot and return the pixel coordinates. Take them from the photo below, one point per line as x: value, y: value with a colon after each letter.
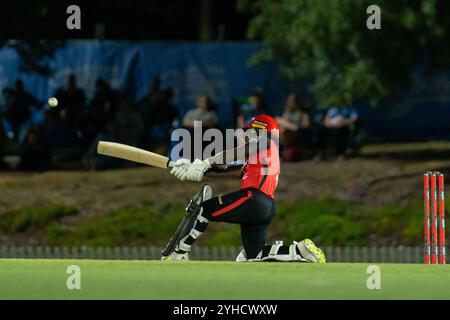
x: 123, y: 151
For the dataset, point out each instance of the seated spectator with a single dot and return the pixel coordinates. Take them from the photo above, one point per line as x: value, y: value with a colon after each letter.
x: 7, y: 95
x: 18, y: 106
x: 203, y: 112
x: 35, y: 154
x: 105, y: 98
x: 295, y: 116
x: 92, y: 159
x: 253, y: 107
x: 7, y: 98
x: 3, y: 141
x: 59, y: 129
x: 152, y: 104
x: 294, y: 128
x: 101, y: 108
x: 71, y: 98
x: 337, y: 122
x: 129, y: 120
x: 159, y: 114
x: 259, y: 92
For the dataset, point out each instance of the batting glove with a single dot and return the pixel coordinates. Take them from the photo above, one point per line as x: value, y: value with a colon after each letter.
x: 197, y: 169
x: 179, y: 168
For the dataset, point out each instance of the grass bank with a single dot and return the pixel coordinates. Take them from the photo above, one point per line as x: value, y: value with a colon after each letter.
x: 330, y: 222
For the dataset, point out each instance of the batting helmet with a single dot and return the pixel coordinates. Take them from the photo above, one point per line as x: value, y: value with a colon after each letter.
x: 263, y: 121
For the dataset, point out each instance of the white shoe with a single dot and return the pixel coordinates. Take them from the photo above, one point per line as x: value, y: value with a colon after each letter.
x: 241, y: 256
x: 176, y: 256
x: 310, y: 252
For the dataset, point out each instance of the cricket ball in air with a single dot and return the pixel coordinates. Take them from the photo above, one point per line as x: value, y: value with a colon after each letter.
x: 52, y: 102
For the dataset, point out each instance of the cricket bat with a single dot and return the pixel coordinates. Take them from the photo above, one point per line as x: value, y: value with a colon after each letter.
x: 123, y: 151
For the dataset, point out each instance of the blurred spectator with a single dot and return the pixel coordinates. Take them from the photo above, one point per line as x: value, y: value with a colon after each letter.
x: 35, y: 154
x: 337, y: 123
x: 151, y: 106
x: 71, y: 98
x: 158, y: 113
x: 92, y: 159
x: 105, y: 98
x: 259, y: 92
x: 101, y: 108
x: 203, y: 112
x: 294, y: 128
x: 59, y: 129
x: 3, y: 140
x: 18, y: 105
x: 254, y: 106
x: 6, y: 102
x: 7, y: 96
x: 130, y: 122
x: 295, y: 116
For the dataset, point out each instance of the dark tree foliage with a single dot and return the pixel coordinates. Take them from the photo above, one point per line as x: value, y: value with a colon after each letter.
x: 326, y: 44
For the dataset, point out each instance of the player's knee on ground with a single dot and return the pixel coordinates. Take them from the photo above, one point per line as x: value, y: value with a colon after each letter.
x: 254, y: 238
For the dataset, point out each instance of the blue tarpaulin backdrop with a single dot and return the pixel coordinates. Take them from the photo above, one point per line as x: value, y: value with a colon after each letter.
x: 221, y: 71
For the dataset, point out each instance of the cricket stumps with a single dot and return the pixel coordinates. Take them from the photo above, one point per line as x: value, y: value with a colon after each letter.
x: 434, y: 218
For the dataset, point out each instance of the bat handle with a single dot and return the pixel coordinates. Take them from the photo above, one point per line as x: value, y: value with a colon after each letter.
x: 170, y: 164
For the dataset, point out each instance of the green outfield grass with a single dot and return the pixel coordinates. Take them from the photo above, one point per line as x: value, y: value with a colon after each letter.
x: 46, y: 279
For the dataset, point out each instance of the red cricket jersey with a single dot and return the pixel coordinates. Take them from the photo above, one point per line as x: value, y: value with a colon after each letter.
x: 261, y: 171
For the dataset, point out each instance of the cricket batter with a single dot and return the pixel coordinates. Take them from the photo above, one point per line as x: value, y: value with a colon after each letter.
x: 252, y: 207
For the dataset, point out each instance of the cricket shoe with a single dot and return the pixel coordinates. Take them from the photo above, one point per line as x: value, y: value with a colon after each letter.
x: 241, y: 256
x: 176, y: 256
x: 310, y: 251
